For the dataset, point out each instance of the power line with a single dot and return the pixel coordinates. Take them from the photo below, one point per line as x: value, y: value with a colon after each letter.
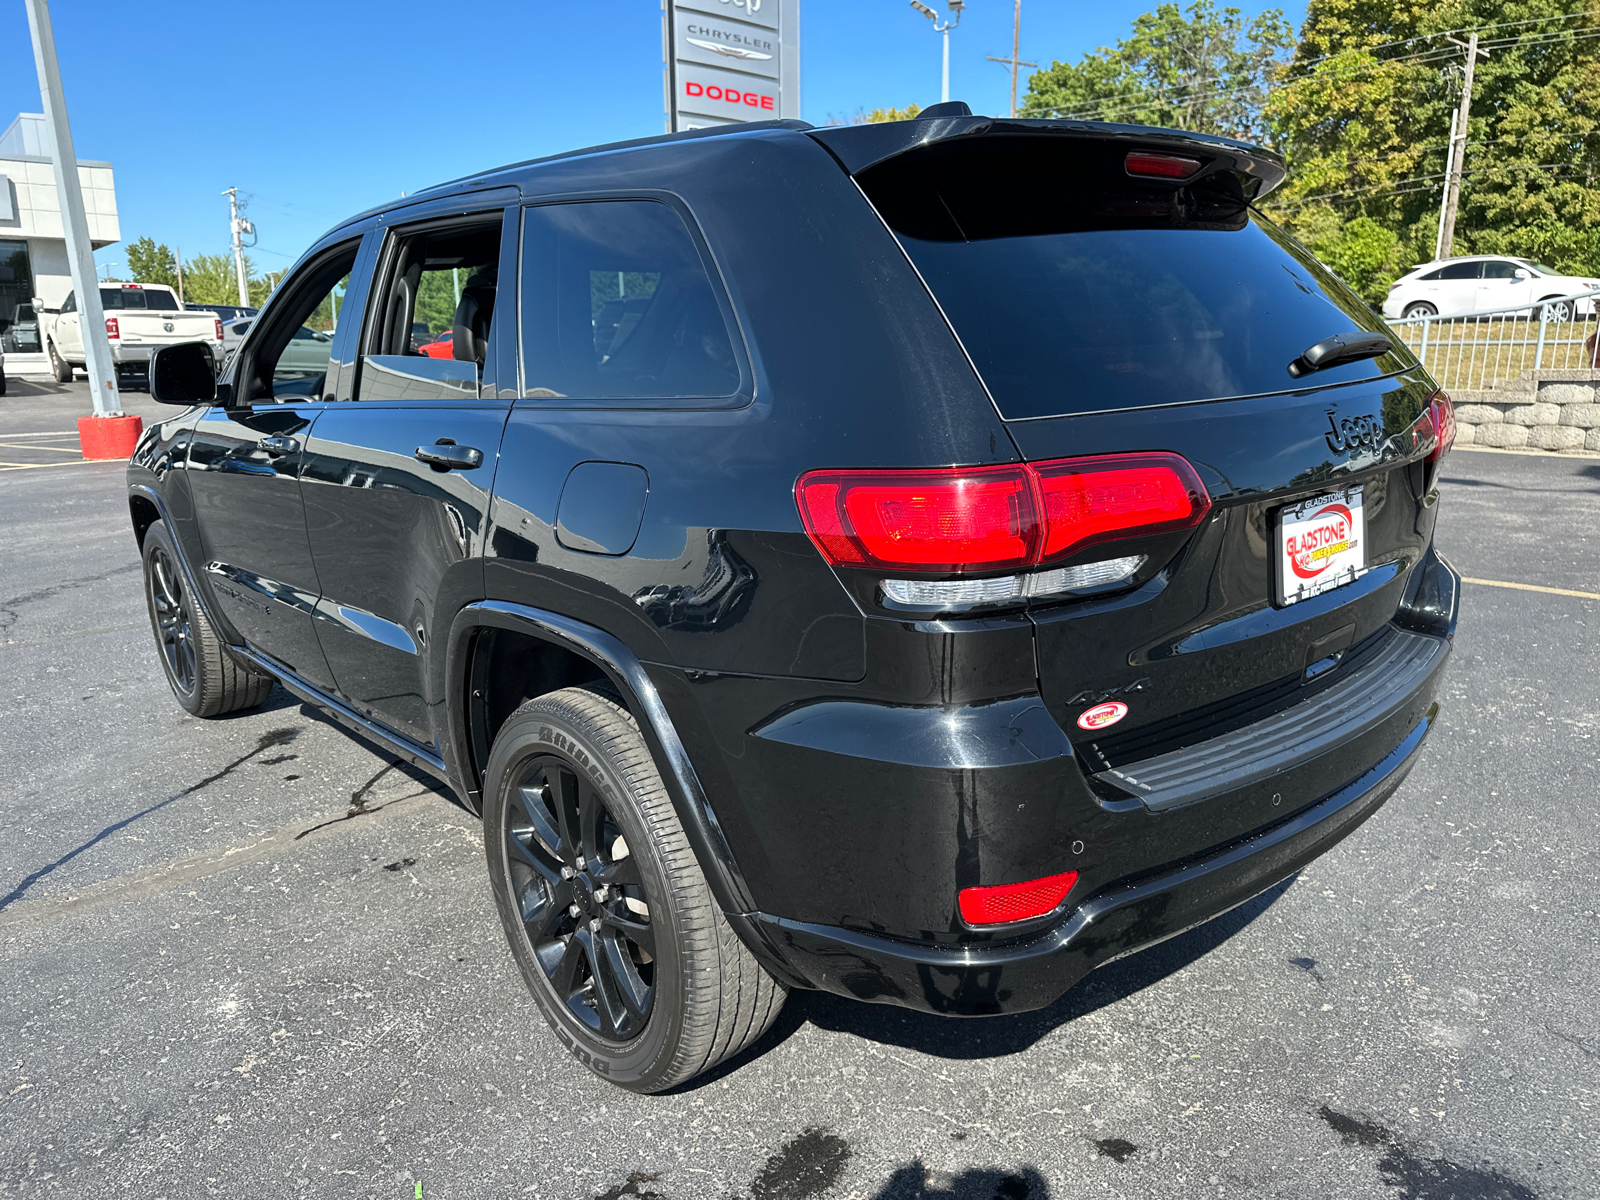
x: 1427, y: 182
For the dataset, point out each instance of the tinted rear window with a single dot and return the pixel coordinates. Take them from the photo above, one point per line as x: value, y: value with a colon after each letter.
x: 1076, y: 289
x: 157, y: 298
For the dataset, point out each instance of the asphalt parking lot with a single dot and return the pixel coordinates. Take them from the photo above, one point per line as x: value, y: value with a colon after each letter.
x: 253, y: 957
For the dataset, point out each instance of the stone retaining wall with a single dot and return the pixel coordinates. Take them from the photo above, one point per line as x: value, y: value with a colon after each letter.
x: 1544, y: 410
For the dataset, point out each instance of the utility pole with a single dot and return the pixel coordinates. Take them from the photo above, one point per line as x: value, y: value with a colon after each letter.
x: 177, y: 262
x: 1014, y: 61
x: 950, y: 23
x: 80, y: 252
x: 1444, y: 192
x: 1458, y: 143
x: 240, y: 228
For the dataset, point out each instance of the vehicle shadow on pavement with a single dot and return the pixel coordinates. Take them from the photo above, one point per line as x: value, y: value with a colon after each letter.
x: 993, y: 1037
x: 916, y: 1182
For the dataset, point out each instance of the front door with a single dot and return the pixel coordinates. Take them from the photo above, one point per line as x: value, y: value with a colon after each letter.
x: 245, y: 459
x: 397, y: 481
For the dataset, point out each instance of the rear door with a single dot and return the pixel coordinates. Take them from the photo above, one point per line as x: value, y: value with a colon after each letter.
x: 1112, y: 313
x: 398, y: 475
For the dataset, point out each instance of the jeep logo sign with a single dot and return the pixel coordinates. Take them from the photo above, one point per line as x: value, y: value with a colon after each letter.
x: 730, y: 61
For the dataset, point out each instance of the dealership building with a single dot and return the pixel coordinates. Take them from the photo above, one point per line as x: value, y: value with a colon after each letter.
x: 33, y: 245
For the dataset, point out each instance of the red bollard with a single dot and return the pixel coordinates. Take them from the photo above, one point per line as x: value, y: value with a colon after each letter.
x: 109, y: 437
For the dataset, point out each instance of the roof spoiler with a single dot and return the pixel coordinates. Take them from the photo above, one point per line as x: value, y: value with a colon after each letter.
x: 858, y: 147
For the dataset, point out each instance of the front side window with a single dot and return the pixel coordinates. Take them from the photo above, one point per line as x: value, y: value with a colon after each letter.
x: 288, y: 359
x: 617, y: 304
x: 1499, y: 269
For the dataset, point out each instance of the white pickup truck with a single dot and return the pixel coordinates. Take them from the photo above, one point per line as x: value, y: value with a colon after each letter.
x: 139, y: 317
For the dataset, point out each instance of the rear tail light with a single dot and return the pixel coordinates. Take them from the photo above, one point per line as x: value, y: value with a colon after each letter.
x: 966, y: 520
x: 1148, y: 165
x: 111, y: 328
x: 1443, y: 412
x: 1007, y: 902
x: 219, y: 329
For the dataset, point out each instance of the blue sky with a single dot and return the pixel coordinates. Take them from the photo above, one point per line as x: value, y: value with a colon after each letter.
x: 316, y: 111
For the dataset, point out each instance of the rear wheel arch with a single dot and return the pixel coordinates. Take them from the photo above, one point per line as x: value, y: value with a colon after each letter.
x: 569, y: 653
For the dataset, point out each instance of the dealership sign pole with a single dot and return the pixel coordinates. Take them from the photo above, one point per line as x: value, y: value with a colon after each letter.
x: 80, y: 254
x: 729, y: 61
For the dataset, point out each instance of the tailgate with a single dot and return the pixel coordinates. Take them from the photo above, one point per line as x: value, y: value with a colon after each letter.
x: 152, y: 328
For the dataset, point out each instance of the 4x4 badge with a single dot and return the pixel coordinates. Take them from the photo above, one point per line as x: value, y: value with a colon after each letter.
x: 1353, y: 432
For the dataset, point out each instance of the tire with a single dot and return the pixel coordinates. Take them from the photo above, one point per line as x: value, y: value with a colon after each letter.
x: 1557, y: 311
x: 647, y: 986
x: 1419, y: 308
x: 2, y: 380
x: 58, y: 368
x: 204, y: 677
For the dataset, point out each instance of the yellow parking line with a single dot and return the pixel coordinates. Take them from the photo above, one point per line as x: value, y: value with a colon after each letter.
x: 1531, y: 587
x: 11, y: 466
x: 37, y: 446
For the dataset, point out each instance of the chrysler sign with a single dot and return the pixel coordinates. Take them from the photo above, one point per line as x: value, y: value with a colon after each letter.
x: 730, y: 61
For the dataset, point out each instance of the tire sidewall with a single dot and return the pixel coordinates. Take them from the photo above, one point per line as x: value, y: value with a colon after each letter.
x: 541, y: 731
x: 157, y: 537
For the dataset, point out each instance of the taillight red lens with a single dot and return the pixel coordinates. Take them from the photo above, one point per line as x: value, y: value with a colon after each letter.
x: 1014, y: 901
x: 1443, y: 411
x: 962, y: 519
x: 111, y: 328
x: 1160, y: 166
x: 967, y: 519
x: 1089, y: 500
x: 219, y: 329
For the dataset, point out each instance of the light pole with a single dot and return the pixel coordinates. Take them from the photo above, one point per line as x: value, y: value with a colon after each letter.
x: 950, y: 23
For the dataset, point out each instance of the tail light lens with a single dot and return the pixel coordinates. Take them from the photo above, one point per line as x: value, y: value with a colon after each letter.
x: 1147, y: 165
x: 1442, y: 410
x: 219, y: 329
x: 112, y: 331
x: 963, y: 520
x: 1007, y: 902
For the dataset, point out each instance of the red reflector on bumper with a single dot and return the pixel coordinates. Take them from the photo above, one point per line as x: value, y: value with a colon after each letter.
x: 1014, y: 901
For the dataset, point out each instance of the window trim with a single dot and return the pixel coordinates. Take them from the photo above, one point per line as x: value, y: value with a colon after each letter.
x: 742, y: 397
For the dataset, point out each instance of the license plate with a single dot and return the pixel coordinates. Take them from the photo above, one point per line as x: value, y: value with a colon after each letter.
x: 1322, y: 544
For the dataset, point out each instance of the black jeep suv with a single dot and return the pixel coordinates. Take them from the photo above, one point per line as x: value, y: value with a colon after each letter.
x: 920, y: 561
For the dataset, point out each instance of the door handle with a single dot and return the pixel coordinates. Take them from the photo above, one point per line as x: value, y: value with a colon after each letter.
x: 278, y: 445
x: 447, y: 456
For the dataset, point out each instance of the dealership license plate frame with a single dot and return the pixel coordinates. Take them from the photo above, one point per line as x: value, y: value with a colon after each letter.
x: 1349, y: 564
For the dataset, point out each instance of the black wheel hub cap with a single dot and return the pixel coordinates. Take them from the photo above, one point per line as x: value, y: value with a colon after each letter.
x: 582, y: 899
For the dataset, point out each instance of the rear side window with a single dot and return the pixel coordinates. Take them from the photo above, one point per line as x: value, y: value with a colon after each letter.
x: 617, y: 305
x: 1077, y: 289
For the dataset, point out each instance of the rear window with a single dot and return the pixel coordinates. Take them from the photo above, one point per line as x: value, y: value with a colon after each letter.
x: 1076, y: 289
x: 157, y: 298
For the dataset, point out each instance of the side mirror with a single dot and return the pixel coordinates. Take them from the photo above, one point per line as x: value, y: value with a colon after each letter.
x: 183, y: 373
x: 1522, y: 273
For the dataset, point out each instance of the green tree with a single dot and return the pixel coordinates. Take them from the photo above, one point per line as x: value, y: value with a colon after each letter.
x: 149, y: 262
x: 1363, y: 115
x: 211, y: 279
x: 874, y: 115
x: 1208, y: 71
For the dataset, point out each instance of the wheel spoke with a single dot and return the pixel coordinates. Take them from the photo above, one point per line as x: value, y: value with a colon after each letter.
x: 608, y: 1002
x: 543, y: 908
x: 565, y: 796
x: 632, y: 990
x: 564, y: 978
x: 623, y: 873
x: 591, y: 815
x: 534, y: 803
x: 638, y: 932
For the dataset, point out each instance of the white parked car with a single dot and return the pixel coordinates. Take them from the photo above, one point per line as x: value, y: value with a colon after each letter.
x: 1481, y: 283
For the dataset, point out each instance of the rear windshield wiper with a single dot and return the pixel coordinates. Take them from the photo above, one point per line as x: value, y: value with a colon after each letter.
x: 1339, y: 349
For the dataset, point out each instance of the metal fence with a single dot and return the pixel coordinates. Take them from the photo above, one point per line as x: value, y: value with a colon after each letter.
x: 1471, y: 353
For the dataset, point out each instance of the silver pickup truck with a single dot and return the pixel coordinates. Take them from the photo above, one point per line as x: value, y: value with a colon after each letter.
x: 139, y: 317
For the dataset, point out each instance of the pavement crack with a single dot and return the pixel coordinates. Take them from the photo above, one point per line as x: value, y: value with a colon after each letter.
x: 8, y: 607
x: 275, y: 737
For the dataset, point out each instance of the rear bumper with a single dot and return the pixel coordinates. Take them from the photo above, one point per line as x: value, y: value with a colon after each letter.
x: 1019, y: 977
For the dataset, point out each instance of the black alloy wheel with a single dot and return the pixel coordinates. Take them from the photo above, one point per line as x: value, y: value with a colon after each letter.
x: 582, y: 899
x: 169, y: 603
x: 605, y: 909
x: 206, y: 679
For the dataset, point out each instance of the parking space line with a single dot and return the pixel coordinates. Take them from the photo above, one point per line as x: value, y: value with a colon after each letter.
x: 81, y: 462
x: 39, y: 446
x: 46, y: 433
x: 1531, y: 587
